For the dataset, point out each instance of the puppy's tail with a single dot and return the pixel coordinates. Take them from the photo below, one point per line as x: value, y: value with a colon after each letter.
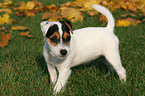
x: 107, y: 13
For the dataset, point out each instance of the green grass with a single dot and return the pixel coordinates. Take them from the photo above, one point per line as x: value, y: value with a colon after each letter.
x: 23, y: 70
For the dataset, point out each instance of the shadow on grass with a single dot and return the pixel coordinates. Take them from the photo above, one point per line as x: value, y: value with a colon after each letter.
x: 41, y: 63
x: 97, y: 63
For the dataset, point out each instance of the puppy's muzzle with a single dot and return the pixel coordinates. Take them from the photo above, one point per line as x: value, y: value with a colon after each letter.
x: 63, y: 52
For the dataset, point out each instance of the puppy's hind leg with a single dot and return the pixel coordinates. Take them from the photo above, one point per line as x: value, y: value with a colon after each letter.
x: 113, y: 58
x: 109, y: 66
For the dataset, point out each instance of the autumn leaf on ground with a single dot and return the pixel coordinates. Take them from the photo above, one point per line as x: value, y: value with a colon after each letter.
x: 39, y: 5
x: 127, y: 22
x: 20, y: 28
x: 24, y: 7
x: 51, y: 16
x: 71, y: 14
x: 88, y: 4
x: 5, y: 39
x: 53, y: 8
x: 6, y: 10
x: 29, y: 14
x: 92, y: 13
x: 6, y: 3
x: 26, y: 34
x: 5, y: 19
x: 103, y: 18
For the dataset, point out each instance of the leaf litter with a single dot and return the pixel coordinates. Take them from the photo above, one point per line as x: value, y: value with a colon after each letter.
x: 71, y: 10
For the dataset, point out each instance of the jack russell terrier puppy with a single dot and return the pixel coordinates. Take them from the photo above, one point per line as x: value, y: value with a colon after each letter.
x: 64, y: 48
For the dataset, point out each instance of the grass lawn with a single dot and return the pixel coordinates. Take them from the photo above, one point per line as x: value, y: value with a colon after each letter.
x: 23, y: 71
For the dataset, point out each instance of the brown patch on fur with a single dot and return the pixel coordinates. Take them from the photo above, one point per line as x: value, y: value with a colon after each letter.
x: 56, y: 34
x: 65, y: 36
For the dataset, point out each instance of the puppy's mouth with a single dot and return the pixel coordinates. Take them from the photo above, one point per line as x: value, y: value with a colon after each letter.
x: 60, y: 56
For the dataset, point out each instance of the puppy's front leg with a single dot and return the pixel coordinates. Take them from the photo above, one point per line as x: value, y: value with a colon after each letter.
x: 52, y: 72
x: 64, y: 74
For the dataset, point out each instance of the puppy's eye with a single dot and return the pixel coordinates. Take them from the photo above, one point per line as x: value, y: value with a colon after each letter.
x: 54, y: 39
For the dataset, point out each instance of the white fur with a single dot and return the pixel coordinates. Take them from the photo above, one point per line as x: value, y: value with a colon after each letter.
x: 86, y: 44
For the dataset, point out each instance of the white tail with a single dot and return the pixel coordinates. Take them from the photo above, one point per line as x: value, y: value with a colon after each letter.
x: 107, y: 13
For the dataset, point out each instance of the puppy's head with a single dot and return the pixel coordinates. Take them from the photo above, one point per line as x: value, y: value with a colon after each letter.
x: 57, y: 35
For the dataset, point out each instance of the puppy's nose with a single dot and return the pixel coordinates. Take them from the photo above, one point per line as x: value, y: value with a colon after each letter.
x: 63, y: 52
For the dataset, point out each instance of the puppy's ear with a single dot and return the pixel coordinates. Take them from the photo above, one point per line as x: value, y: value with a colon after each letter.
x: 68, y: 24
x: 45, y: 26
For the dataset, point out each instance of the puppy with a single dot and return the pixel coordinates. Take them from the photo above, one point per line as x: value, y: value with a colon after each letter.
x: 64, y: 48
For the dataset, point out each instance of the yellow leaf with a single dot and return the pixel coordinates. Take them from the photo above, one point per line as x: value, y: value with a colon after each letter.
x: 20, y: 28
x: 6, y: 10
x: 71, y: 14
x: 29, y: 14
x: 1, y: 20
x: 30, y: 5
x: 5, y: 19
x: 123, y: 23
x: 52, y: 7
x: 92, y: 13
x: 80, y: 2
x: 127, y: 22
x: 24, y: 7
x: 124, y: 6
x: 89, y: 3
x: 52, y: 16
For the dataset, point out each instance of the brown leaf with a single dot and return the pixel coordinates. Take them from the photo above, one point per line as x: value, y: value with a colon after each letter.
x: 5, y: 39
x: 26, y: 34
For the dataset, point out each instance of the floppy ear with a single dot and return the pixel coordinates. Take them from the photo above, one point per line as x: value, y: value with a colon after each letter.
x: 45, y: 26
x: 68, y: 24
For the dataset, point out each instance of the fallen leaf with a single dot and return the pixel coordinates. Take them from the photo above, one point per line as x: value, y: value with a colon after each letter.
x: 71, y: 14
x: 26, y: 34
x: 20, y: 28
x: 5, y: 39
x: 25, y: 7
x: 123, y: 23
x: 127, y: 22
x: 53, y: 8
x: 92, y: 13
x: 52, y: 16
x: 30, y: 5
x: 30, y: 14
x: 103, y: 18
x: 124, y: 7
x: 38, y: 4
x: 6, y: 10
x: 5, y: 19
x: 20, y: 14
x: 88, y: 4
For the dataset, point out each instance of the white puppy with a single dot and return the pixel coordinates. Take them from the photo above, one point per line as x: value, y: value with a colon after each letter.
x: 64, y: 49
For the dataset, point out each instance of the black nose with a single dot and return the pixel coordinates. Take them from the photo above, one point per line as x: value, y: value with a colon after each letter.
x: 63, y: 52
